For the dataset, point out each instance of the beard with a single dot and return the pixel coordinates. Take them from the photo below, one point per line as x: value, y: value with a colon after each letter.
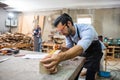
x: 69, y: 31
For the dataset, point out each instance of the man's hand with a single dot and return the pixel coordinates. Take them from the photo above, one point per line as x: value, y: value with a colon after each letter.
x: 50, y: 62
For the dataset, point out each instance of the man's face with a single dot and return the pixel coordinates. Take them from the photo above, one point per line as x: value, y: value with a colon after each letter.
x: 62, y: 29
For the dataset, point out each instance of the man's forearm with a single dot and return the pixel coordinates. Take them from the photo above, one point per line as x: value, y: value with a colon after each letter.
x: 71, y: 53
x: 64, y: 49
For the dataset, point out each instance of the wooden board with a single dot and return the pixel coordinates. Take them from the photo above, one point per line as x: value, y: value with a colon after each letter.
x: 17, y: 68
x: 22, y: 45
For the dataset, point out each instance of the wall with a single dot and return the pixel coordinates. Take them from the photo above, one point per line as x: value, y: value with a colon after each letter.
x: 3, y: 16
x: 111, y: 23
x: 26, y: 22
x: 106, y: 21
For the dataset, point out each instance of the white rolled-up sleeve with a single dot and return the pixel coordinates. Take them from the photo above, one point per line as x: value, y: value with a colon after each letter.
x: 87, y: 36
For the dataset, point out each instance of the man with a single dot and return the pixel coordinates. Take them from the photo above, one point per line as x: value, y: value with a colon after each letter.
x: 87, y: 45
x: 37, y: 38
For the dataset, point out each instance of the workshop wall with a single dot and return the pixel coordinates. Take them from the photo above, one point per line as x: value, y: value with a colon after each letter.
x: 3, y: 17
x: 111, y: 23
x: 106, y: 21
x: 27, y: 22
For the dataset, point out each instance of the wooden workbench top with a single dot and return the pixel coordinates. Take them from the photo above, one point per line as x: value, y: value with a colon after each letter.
x: 17, y: 68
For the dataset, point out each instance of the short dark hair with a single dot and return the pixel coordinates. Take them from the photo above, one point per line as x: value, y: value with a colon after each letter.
x: 64, y: 18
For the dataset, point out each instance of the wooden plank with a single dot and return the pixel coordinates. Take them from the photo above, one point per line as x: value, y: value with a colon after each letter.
x: 22, y: 45
x: 17, y: 68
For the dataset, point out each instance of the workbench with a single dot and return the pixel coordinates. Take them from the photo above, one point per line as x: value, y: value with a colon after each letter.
x: 17, y: 68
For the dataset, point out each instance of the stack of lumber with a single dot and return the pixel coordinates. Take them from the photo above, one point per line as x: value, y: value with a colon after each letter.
x: 18, y: 40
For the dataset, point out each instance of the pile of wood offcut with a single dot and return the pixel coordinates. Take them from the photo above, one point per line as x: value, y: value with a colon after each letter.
x: 17, y: 40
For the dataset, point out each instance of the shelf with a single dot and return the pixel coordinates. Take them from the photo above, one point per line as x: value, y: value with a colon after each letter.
x: 113, y: 52
x: 47, y: 47
x: 54, y: 38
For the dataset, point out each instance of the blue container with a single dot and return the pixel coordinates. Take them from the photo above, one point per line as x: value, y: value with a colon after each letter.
x: 104, y: 74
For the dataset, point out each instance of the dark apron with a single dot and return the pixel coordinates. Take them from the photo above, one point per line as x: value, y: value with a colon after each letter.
x: 93, y: 56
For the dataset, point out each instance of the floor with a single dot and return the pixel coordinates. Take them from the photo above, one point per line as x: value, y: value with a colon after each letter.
x: 113, y: 66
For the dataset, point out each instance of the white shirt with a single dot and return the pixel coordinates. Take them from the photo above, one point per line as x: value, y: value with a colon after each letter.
x: 87, y: 34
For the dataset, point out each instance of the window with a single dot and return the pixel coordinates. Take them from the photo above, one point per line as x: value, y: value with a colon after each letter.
x: 87, y: 19
x: 11, y: 22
